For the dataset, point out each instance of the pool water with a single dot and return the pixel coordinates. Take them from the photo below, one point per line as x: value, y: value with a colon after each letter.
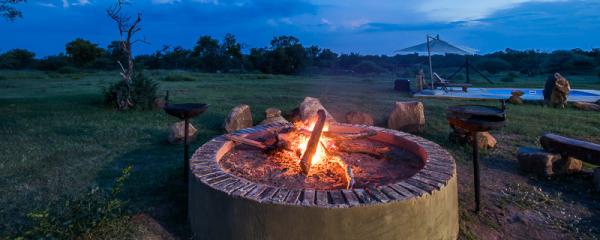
x: 576, y: 95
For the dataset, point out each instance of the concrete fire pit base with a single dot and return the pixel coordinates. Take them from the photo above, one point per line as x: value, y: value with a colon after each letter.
x: 425, y: 206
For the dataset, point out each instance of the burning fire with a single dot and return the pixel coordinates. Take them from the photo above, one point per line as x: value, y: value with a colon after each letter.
x: 320, y: 156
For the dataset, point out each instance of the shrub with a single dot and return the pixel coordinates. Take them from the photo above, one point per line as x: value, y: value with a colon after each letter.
x: 80, y: 216
x: 179, y: 78
x: 143, y: 92
x: 53, y: 63
x: 493, y: 65
x: 368, y: 67
x: 17, y: 59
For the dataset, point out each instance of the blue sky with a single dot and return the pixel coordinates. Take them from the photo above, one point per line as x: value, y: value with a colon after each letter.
x: 366, y: 27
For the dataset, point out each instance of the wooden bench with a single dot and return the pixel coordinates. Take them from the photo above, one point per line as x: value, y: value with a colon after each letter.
x: 582, y: 150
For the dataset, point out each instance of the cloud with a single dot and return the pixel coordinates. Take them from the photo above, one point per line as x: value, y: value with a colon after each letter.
x: 67, y: 4
x: 451, y: 10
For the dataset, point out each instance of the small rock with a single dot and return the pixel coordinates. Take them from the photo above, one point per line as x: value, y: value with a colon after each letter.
x: 536, y: 161
x: 569, y: 165
x: 177, y: 133
x: 309, y: 107
x: 517, y: 93
x: 272, y: 112
x: 159, y: 103
x: 240, y: 117
x: 486, y: 140
x: 516, y: 100
x: 359, y: 118
x: 597, y: 179
x: 587, y: 106
x: 273, y: 115
x: 407, y: 116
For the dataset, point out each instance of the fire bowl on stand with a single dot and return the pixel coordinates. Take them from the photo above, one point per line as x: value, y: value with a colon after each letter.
x: 473, y: 119
x: 247, y: 191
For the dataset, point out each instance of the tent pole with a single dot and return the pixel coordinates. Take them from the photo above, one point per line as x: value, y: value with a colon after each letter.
x: 430, y: 67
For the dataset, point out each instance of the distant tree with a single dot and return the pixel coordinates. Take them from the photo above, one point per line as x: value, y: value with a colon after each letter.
x: 288, y: 56
x: 127, y: 30
x: 17, y: 59
x: 259, y: 60
x: 493, y: 65
x: 115, y: 52
x: 82, y: 52
x: 326, y: 59
x: 8, y: 11
x: 232, y: 51
x: 53, y: 63
x: 208, y: 51
x: 176, y: 58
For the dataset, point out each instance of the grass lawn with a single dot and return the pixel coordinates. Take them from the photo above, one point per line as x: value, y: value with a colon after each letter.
x: 57, y: 140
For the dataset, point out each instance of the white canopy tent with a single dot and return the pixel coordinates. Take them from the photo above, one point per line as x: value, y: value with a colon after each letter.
x: 435, y: 45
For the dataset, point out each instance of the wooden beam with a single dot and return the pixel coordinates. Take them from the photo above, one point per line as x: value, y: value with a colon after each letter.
x: 582, y: 150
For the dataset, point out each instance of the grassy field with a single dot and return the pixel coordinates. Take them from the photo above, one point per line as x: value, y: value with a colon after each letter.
x: 57, y: 140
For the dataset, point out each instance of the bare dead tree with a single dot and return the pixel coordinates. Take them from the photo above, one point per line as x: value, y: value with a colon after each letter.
x: 8, y: 11
x: 127, y: 29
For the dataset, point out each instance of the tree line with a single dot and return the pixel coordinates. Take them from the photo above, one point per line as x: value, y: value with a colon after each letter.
x: 287, y: 55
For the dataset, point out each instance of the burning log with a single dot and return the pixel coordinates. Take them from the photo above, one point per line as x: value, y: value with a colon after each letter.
x: 336, y: 136
x: 313, y: 142
x: 356, y: 147
x: 349, y: 177
x: 247, y: 141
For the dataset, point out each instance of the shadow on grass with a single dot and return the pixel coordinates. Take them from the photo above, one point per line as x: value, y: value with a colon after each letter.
x: 156, y: 185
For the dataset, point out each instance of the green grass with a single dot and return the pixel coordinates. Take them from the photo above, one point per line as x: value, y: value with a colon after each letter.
x: 58, y: 140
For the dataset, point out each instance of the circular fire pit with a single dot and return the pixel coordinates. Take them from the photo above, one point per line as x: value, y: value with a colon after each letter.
x: 247, y: 192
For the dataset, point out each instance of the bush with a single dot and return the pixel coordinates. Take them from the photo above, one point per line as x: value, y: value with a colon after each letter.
x: 493, y: 65
x: 368, y: 67
x: 179, y: 78
x: 53, y: 63
x: 81, y: 216
x: 17, y: 59
x: 143, y: 92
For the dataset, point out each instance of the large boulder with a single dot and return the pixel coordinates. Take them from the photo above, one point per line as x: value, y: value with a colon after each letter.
x: 240, y: 117
x: 586, y: 106
x: 556, y: 91
x: 407, y: 116
x: 536, y: 161
x: 309, y: 107
x: 273, y: 115
x: 359, y: 118
x: 177, y: 133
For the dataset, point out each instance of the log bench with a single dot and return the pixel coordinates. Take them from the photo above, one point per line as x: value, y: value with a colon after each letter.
x: 582, y: 150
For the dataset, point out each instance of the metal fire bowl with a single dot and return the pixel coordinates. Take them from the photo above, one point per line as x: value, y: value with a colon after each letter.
x: 476, y: 118
x: 186, y: 110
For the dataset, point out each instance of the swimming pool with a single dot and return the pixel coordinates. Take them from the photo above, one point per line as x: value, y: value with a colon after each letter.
x: 576, y: 95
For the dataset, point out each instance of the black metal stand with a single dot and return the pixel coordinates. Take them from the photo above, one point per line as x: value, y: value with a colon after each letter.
x: 186, y: 146
x: 476, y: 171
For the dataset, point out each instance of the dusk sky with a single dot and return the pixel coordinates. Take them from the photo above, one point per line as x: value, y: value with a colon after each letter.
x: 366, y: 27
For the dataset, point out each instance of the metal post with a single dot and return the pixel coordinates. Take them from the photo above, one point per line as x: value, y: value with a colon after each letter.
x: 476, y: 173
x: 467, y: 69
x: 430, y: 66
